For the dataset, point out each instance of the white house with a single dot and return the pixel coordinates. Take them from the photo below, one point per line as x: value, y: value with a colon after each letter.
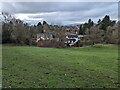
x: 73, y: 39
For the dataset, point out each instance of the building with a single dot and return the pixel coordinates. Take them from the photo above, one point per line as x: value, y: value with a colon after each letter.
x: 47, y: 39
x: 73, y: 39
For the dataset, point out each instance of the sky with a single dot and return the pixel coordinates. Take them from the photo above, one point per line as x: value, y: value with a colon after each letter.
x: 61, y: 13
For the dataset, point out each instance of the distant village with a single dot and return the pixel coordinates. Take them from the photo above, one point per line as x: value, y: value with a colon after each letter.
x: 45, y: 35
x: 67, y: 36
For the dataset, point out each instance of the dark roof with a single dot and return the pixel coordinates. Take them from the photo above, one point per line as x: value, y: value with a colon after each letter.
x: 72, y: 36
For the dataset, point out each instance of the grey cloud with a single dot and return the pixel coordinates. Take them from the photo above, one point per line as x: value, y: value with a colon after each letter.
x: 35, y: 7
x: 63, y: 12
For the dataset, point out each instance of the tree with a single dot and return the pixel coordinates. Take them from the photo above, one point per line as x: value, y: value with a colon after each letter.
x: 81, y: 30
x: 90, y: 23
x: 44, y: 23
x: 112, y: 23
x: 39, y: 28
x: 112, y: 34
x: 85, y: 26
x: 60, y: 33
x: 6, y: 34
x: 99, y: 22
x: 39, y: 24
x: 6, y: 27
x: 105, y: 23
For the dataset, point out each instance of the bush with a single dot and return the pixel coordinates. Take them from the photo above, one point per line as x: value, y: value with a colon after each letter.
x: 50, y: 43
x: 32, y: 42
x: 98, y: 46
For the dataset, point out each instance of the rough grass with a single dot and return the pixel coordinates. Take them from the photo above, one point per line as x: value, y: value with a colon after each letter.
x: 90, y: 66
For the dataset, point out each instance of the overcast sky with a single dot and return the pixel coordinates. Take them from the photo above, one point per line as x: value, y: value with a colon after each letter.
x: 61, y: 13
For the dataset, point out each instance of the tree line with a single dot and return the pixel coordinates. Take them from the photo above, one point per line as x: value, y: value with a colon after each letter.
x: 18, y: 32
x: 104, y: 31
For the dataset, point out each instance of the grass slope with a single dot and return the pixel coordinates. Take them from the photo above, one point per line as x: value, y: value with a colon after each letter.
x: 90, y: 66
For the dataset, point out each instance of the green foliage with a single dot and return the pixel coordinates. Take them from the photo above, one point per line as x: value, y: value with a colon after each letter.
x: 6, y: 36
x: 85, y: 26
x: 99, y: 22
x: 40, y: 29
x: 39, y: 24
x: 22, y: 33
x: 112, y: 23
x: 81, y: 30
x: 44, y: 23
x: 6, y: 33
x: 90, y: 24
x: 105, y: 22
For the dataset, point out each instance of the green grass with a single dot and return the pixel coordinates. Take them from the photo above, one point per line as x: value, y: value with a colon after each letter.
x: 90, y: 66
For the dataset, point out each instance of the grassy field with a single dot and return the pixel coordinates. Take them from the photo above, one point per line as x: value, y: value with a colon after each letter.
x: 89, y: 66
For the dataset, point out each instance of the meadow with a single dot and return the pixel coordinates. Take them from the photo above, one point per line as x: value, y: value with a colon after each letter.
x: 77, y: 67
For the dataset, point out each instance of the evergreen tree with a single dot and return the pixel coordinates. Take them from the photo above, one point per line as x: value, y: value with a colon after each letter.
x: 81, y: 30
x: 99, y: 22
x: 39, y: 24
x: 105, y: 22
x: 90, y: 23
x: 44, y: 22
x: 39, y: 28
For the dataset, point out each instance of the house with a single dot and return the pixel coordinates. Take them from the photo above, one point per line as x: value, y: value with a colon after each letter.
x: 73, y: 39
x: 54, y: 38
x: 47, y: 39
